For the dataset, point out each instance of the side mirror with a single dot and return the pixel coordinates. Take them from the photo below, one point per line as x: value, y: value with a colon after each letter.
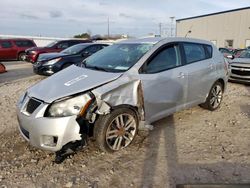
x: 230, y: 56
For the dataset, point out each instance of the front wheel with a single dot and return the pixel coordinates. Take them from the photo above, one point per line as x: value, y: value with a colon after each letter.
x: 116, y: 130
x: 66, y: 65
x: 214, y: 98
x: 21, y: 56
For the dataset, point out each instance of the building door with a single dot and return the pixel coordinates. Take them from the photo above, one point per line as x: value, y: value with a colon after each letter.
x: 229, y: 43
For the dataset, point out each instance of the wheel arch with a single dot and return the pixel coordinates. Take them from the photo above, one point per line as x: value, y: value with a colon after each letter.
x: 65, y: 64
x: 220, y: 80
x: 18, y: 54
x: 133, y: 108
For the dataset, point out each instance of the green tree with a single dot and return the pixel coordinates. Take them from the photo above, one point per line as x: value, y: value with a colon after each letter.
x: 83, y: 35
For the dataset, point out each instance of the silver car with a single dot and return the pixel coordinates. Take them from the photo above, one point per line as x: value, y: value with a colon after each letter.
x: 240, y: 68
x: 111, y: 93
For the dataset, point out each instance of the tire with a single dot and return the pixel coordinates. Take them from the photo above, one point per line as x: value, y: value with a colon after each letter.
x: 66, y: 65
x: 21, y: 56
x: 109, y: 137
x: 214, y: 98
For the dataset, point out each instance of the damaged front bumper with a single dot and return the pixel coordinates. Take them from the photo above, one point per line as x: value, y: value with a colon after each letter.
x: 45, y: 132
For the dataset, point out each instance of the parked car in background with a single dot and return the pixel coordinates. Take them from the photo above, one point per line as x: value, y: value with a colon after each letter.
x: 240, y: 68
x: 230, y: 52
x: 237, y: 52
x: 126, y: 84
x: 56, y: 46
x: 14, y: 49
x: 50, y: 63
x: 227, y: 52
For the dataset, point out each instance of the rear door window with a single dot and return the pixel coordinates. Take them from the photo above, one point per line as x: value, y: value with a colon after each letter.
x: 63, y: 45
x: 6, y: 44
x: 93, y: 49
x: 24, y: 43
x: 194, y: 52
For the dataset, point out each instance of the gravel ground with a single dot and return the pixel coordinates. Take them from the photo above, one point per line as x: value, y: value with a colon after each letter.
x: 192, y: 146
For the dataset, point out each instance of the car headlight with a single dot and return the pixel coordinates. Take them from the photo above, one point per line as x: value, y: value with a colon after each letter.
x: 71, y: 106
x: 53, y: 61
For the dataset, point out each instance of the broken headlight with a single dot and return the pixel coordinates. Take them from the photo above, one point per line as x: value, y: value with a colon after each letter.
x: 70, y: 106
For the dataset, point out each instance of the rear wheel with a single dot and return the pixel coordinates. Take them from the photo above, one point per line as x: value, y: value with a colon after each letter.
x: 214, y: 98
x: 21, y: 56
x: 116, y: 130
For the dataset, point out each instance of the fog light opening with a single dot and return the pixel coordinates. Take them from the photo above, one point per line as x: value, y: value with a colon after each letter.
x: 50, y: 141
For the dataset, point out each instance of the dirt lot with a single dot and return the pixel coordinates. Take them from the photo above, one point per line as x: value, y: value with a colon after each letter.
x: 192, y: 146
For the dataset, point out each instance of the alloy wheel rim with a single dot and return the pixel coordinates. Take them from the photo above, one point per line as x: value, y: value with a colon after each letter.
x: 216, y: 96
x: 22, y: 57
x: 121, y: 131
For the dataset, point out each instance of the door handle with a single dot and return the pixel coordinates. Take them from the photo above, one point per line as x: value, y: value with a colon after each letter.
x: 181, y: 75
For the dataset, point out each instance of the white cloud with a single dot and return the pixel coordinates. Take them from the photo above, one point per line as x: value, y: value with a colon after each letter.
x: 66, y: 18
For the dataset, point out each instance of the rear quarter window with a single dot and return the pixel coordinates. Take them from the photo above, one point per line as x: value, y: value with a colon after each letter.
x: 194, y: 52
x: 209, y: 51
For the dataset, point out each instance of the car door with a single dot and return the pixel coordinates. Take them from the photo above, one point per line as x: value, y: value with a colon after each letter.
x: 164, y: 83
x: 7, y: 50
x: 200, y: 68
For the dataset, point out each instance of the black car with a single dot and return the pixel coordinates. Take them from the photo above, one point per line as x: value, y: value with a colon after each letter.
x: 32, y: 54
x: 50, y: 63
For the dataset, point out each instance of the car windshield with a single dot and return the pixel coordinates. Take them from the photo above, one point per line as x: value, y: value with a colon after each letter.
x: 51, y: 44
x: 74, y: 49
x: 117, y: 58
x: 245, y: 54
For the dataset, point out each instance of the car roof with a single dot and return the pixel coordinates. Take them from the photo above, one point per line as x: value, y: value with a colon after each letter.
x: 73, y: 40
x: 149, y: 40
x: 155, y: 40
x: 89, y: 44
x: 16, y: 39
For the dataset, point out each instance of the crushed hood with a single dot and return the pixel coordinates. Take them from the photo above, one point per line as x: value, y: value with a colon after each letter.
x: 69, y: 81
x: 241, y: 60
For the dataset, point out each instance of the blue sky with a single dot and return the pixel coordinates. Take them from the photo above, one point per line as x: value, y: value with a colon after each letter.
x: 65, y: 18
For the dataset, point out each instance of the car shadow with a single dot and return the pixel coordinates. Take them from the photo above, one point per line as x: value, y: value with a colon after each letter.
x: 177, y: 173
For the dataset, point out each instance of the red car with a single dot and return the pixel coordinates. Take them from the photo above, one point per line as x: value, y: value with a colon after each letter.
x: 14, y: 49
x: 56, y: 46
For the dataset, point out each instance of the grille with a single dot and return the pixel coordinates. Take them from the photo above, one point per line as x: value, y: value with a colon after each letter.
x: 235, y: 66
x: 25, y: 133
x: 241, y: 78
x: 32, y: 105
x: 242, y: 73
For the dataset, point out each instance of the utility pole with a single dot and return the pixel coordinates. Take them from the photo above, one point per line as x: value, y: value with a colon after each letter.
x: 171, y: 28
x: 108, y: 27
x: 160, y: 29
